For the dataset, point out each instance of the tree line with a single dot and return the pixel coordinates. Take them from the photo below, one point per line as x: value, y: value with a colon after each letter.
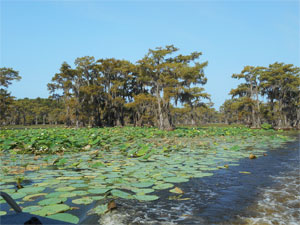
x: 162, y: 89
x: 279, y: 84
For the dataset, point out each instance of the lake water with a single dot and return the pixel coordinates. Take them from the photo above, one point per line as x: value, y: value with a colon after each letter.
x: 265, y: 190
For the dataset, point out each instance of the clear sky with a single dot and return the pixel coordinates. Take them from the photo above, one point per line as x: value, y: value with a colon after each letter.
x: 38, y: 35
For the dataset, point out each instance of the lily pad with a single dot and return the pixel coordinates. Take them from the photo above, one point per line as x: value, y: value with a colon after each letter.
x: 163, y: 186
x: 65, y: 189
x: 66, y: 217
x: 2, y: 213
x: 143, y: 190
x: 142, y: 184
x: 146, y: 197
x: 98, y: 190
x: 32, y: 190
x: 83, y: 201
x: 80, y: 193
x: 203, y: 175
x: 68, y: 195
x: 18, y: 195
x: 79, y: 185
x: 121, y: 194
x: 96, y: 198
x: 32, y: 197
x: 51, y: 201
x: 51, y: 209
x: 9, y: 191
x: 30, y: 209
x: 55, y: 194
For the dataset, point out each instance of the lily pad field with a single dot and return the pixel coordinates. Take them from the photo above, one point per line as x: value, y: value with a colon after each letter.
x: 71, y: 174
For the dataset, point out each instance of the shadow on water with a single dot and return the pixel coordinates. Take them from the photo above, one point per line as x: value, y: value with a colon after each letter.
x: 224, y: 198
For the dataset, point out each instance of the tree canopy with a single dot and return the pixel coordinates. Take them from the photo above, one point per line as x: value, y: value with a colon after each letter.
x: 162, y: 89
x: 279, y: 83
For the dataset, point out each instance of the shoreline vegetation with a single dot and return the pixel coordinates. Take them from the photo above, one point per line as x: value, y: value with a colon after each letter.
x: 61, y: 139
x: 163, y: 89
x: 217, y: 125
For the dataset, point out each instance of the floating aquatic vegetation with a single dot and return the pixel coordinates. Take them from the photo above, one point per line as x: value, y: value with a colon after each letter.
x: 52, y: 201
x: 128, y: 163
x: 2, y: 213
x: 146, y: 197
x: 66, y: 217
x: 51, y: 209
x: 83, y: 201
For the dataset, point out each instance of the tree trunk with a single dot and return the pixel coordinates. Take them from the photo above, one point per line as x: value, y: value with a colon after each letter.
x: 24, y: 119
x: 44, y: 119
x: 297, y: 125
x: 254, y: 125
x: 281, y: 115
x: 164, y: 122
x: 258, y: 120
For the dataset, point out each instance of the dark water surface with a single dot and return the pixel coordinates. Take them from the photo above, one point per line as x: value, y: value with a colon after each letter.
x: 269, y: 194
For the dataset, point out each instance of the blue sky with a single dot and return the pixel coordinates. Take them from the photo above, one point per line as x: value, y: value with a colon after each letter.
x: 37, y: 36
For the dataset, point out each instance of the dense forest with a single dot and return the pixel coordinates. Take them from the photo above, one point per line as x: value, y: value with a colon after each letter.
x: 162, y: 89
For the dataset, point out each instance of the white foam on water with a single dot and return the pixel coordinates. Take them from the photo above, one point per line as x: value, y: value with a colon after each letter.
x: 279, y: 204
x: 113, y: 218
x: 123, y: 218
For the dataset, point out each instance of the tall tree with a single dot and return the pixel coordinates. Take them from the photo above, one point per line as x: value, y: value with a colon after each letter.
x: 170, y: 77
x: 251, y: 90
x: 280, y: 83
x: 63, y: 81
x: 118, y: 81
x: 7, y: 75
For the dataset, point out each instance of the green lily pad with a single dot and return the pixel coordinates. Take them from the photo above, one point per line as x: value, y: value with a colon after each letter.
x: 146, y: 197
x: 30, y: 209
x: 79, y: 185
x: 18, y: 195
x: 96, y: 198
x: 98, y: 190
x: 80, y: 193
x: 32, y: 190
x: 203, y: 175
x: 163, y: 186
x: 51, y: 201
x: 51, y: 209
x: 121, y: 194
x: 2, y: 213
x: 83, y: 201
x: 66, y: 217
x: 32, y: 197
x: 143, y: 190
x: 55, y: 194
x: 9, y: 191
x: 65, y: 189
x: 142, y: 184
x: 68, y: 195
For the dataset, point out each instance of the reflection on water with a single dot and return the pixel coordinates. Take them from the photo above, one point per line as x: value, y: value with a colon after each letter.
x: 269, y: 194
